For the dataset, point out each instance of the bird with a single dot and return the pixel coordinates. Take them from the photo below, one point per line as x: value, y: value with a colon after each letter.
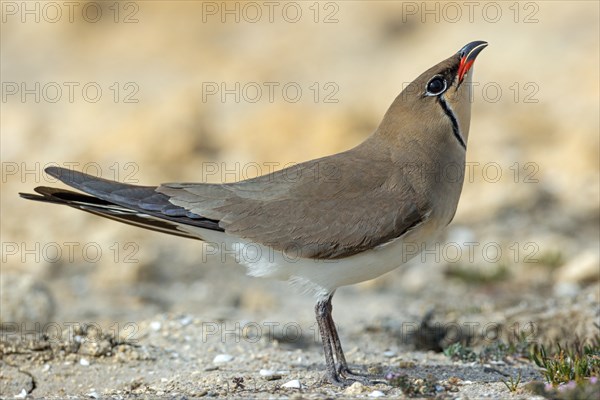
x: 325, y: 223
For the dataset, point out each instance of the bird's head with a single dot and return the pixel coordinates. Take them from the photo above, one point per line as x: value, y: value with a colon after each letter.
x: 438, y: 102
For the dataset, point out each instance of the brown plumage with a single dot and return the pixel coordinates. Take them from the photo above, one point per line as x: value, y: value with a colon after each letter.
x: 356, y: 209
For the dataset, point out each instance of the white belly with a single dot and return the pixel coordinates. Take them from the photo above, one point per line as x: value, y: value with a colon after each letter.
x: 319, y: 277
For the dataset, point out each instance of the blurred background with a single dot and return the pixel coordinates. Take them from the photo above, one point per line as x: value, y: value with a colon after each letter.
x: 158, y: 91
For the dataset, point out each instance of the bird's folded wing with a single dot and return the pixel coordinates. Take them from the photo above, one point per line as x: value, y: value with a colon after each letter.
x: 327, y: 208
x: 105, y: 194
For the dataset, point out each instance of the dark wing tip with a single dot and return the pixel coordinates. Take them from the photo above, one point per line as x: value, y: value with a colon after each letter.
x: 54, y: 171
x: 71, y: 177
x: 46, y: 195
x: 61, y: 196
x: 30, y: 196
x: 45, y: 191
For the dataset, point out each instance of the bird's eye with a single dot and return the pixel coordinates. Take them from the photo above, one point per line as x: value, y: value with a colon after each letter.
x: 436, y: 86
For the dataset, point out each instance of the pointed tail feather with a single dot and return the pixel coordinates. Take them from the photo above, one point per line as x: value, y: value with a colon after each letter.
x: 140, y: 206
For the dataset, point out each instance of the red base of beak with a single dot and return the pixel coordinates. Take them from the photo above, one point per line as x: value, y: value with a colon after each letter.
x: 468, y: 55
x: 464, y: 67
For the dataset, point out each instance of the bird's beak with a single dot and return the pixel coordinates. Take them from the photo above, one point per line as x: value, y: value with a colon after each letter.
x: 467, y: 57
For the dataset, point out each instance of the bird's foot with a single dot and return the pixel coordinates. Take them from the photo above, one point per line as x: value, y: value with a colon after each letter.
x: 364, y: 378
x: 344, y: 376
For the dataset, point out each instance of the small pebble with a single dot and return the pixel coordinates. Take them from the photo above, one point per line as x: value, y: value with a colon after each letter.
x: 21, y: 395
x: 84, y: 362
x: 269, y: 374
x: 293, y: 384
x: 155, y: 325
x: 223, y: 358
x: 376, y: 393
x: 186, y: 320
x: 355, y: 388
x: 93, y: 395
x: 389, y: 354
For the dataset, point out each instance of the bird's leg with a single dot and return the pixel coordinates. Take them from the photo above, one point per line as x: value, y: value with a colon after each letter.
x: 342, y: 367
x: 335, y: 341
x: 340, y: 374
x: 323, y: 313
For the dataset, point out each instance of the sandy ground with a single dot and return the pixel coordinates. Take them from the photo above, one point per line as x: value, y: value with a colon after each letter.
x: 228, y: 349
